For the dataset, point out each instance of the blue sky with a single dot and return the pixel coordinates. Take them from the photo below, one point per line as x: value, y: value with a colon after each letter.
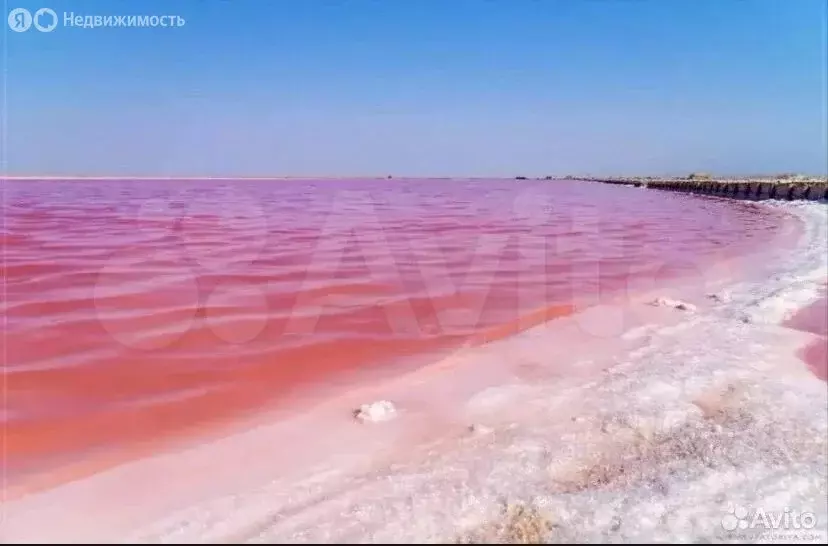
x: 421, y: 88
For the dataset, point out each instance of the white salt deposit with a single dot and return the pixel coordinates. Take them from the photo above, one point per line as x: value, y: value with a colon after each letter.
x: 376, y: 412
x: 480, y: 430
x: 675, y: 304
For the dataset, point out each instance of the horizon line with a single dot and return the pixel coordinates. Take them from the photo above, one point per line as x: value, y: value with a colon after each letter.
x: 273, y: 177
x: 392, y: 177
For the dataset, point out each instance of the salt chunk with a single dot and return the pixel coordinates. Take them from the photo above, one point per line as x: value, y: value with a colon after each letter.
x: 376, y: 412
x: 675, y: 304
x: 719, y: 298
x: 480, y: 430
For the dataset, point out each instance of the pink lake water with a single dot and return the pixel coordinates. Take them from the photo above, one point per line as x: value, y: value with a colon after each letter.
x: 814, y: 319
x: 138, y: 310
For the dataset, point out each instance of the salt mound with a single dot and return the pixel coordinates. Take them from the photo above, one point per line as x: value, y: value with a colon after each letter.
x: 675, y: 304
x: 480, y: 430
x: 719, y: 298
x: 376, y: 412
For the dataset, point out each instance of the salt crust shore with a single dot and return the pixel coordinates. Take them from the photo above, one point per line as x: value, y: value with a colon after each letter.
x: 630, y: 422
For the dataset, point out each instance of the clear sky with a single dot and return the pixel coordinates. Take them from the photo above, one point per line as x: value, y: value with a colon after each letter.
x: 420, y: 88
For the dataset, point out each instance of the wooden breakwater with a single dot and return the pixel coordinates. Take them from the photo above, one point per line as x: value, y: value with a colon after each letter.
x: 811, y: 190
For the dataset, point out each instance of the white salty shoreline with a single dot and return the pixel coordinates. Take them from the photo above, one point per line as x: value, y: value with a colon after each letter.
x: 652, y: 434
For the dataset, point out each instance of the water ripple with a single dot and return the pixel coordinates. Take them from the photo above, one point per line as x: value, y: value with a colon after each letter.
x: 184, y: 301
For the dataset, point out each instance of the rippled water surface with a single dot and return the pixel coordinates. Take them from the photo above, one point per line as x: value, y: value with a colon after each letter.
x: 139, y: 308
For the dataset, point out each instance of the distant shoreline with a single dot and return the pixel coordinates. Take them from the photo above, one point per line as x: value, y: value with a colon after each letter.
x: 250, y: 178
x: 633, y: 180
x: 790, y: 189
x: 189, y: 177
x: 630, y: 180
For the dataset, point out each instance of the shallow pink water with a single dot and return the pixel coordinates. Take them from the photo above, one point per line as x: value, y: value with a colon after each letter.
x: 140, y: 309
x: 814, y: 319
